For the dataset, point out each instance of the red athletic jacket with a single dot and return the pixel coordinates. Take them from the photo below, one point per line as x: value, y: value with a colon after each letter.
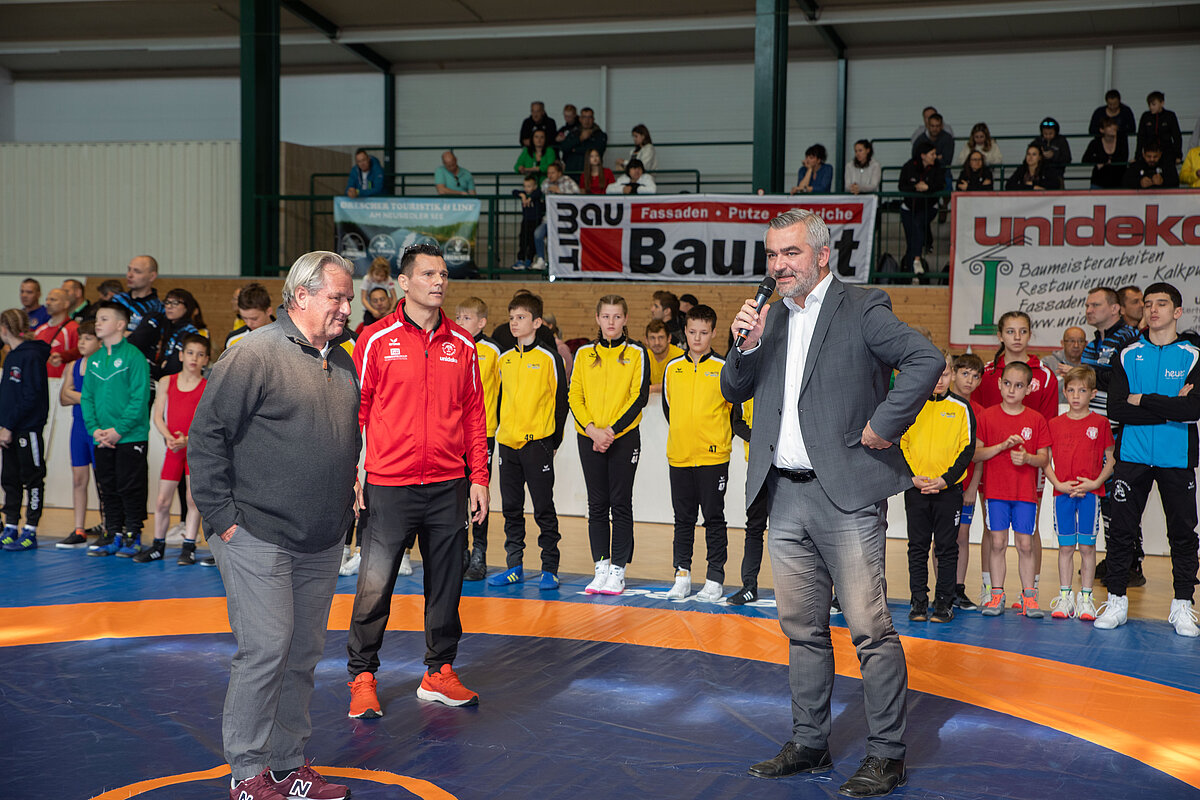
x: 422, y: 409
x: 1043, y: 389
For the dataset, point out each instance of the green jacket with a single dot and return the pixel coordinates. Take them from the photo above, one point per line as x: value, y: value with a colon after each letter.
x: 526, y: 160
x: 116, y: 392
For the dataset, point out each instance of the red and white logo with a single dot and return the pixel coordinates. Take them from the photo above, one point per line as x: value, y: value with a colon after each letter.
x: 1092, y: 433
x: 1027, y: 433
x: 1035, y: 385
x: 448, y: 348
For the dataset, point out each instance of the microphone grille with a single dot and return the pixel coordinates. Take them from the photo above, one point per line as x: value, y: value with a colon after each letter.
x: 768, y: 283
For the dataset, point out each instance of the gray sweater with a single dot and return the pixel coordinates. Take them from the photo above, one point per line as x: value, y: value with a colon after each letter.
x: 275, y: 440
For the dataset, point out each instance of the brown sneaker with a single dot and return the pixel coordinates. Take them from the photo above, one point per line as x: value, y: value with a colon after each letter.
x: 364, y: 703
x: 307, y: 782
x: 260, y: 787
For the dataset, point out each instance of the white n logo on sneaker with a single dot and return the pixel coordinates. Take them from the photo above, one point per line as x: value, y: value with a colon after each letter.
x: 300, y: 788
x: 245, y: 796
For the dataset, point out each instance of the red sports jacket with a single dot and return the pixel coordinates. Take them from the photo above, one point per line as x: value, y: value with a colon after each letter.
x: 422, y: 410
x: 1043, y: 389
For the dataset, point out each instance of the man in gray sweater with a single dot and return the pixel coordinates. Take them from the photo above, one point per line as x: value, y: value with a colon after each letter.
x: 273, y: 455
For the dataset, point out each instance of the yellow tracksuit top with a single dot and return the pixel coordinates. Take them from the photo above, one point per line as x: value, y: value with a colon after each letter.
x: 700, y: 432
x: 941, y: 441
x: 488, y: 355
x: 657, y: 368
x: 610, y: 384
x: 748, y: 421
x: 533, y: 396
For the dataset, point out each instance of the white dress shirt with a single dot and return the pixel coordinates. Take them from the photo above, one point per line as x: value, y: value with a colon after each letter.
x: 790, y: 452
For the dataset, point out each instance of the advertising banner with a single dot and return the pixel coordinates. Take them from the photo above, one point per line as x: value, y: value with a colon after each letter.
x: 1041, y: 252
x: 384, y: 226
x: 694, y: 237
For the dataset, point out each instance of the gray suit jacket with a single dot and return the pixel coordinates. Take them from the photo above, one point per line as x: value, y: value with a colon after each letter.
x: 855, y: 345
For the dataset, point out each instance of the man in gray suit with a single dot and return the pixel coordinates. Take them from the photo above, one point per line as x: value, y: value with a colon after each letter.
x: 828, y: 457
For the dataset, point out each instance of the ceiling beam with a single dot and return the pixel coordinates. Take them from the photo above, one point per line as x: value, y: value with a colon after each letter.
x: 812, y: 12
x: 326, y: 26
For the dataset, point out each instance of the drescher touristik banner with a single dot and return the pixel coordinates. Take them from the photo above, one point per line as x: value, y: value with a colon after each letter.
x: 384, y: 226
x: 693, y: 237
x: 1040, y: 252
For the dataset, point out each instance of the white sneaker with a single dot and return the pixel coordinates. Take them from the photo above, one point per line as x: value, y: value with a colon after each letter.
x: 538, y: 263
x: 615, y: 583
x: 1113, y: 613
x: 1085, y: 609
x: 1063, y: 606
x: 682, y: 587
x: 985, y: 594
x: 350, y: 565
x: 602, y: 568
x: 175, y: 533
x: 918, y: 266
x: 1183, y: 617
x: 712, y: 592
x: 405, y: 565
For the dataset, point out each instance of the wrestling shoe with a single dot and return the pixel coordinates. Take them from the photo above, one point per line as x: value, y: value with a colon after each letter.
x: 10, y: 535
x: 1183, y: 617
x: 602, y: 568
x: 508, y: 577
x: 364, y: 703
x: 1136, y: 576
x: 132, y: 546
x: 1114, y: 612
x: 207, y: 561
x: 351, y: 564
x: 26, y: 541
x: 405, y: 565
x: 834, y: 606
x: 154, y: 552
x: 994, y: 606
x: 96, y: 530
x: 682, y: 587
x: 961, y: 600
x: 1063, y: 606
x: 187, y: 556
x: 260, y: 787
x: 107, y: 545
x: 476, y: 566
x: 548, y: 582
x: 943, y: 611
x: 985, y: 594
x: 747, y: 594
x: 711, y: 593
x: 444, y: 687
x: 75, y: 541
x: 307, y: 782
x: 918, y: 610
x: 1085, y: 609
x: 615, y: 583
x: 1030, y: 608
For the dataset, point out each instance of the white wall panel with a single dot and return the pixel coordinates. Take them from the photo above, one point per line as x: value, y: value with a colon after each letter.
x: 1172, y: 70
x: 87, y: 208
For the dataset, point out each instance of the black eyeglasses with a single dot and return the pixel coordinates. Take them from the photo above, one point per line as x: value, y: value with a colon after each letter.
x: 423, y: 249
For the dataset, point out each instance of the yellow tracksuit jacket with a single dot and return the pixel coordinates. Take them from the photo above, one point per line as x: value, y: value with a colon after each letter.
x: 610, y: 384
x: 941, y: 441
x: 532, y: 397
x: 701, y: 429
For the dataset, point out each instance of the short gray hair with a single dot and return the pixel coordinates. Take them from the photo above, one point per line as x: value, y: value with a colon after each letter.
x: 818, y: 231
x: 309, y: 272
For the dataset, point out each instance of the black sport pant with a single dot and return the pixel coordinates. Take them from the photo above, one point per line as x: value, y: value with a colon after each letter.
x: 434, y: 515
x: 525, y: 247
x: 756, y: 526
x: 533, y: 466
x: 121, y: 481
x: 1106, y: 501
x: 1177, y: 488
x: 933, y: 517
x: 703, y: 488
x: 24, y: 471
x: 479, y: 530
x: 609, y: 479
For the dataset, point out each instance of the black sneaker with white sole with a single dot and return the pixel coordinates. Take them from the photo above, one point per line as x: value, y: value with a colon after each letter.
x: 154, y: 552
x: 188, y: 556
x: 747, y: 594
x: 961, y: 600
x: 207, y: 561
x: 73, y: 542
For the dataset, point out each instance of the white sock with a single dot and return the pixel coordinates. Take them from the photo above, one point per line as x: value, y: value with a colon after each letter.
x: 1036, y: 580
x: 987, y: 578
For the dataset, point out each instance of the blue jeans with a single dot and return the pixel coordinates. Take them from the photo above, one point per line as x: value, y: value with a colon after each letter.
x: 539, y: 240
x: 816, y: 549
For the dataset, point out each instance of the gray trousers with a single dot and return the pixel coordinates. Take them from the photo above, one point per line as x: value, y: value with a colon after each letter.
x: 278, y: 602
x: 816, y: 548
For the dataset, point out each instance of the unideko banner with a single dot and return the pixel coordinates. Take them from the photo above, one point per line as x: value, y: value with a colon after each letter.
x: 694, y: 237
x: 1041, y: 252
x: 384, y: 226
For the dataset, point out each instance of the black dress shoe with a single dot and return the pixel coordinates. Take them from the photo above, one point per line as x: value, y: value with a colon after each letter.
x: 876, y: 777
x: 793, y: 759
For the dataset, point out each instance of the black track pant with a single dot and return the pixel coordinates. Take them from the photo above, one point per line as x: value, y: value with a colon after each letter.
x: 702, y: 488
x: 532, y: 466
x: 434, y: 515
x: 122, y: 483
x: 756, y: 526
x: 609, y: 479
x: 525, y: 247
x: 479, y: 530
x: 24, y: 471
x: 1177, y: 489
x: 1106, y: 514
x: 933, y: 518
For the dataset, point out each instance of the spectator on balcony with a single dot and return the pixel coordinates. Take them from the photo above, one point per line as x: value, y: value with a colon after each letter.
x: 1055, y: 150
x: 570, y: 125
x: 1189, y: 173
x: 1152, y: 170
x: 1108, y: 153
x: 536, y: 158
x: 1115, y: 110
x: 863, y: 173
x: 1033, y: 174
x: 537, y: 121
x: 923, y: 128
x: 815, y: 176
x: 942, y: 139
x: 922, y: 178
x: 589, y: 136
x: 366, y: 176
x: 450, y: 178
x: 1161, y: 126
x: 634, y: 181
x: 643, y: 150
x: 596, y: 178
x: 981, y: 141
x: 976, y: 175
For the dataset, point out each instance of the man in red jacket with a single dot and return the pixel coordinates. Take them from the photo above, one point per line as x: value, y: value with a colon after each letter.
x: 422, y: 415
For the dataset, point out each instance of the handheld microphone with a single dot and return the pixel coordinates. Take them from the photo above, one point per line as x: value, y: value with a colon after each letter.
x: 765, y: 290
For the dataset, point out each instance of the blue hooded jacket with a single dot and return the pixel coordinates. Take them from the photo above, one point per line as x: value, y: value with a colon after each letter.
x: 1161, y: 430
x: 374, y: 179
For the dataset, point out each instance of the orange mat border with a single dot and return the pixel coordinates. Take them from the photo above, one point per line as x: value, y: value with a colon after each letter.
x: 1162, y: 733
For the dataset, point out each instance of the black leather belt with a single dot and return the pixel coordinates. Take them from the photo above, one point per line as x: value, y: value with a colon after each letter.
x: 797, y: 475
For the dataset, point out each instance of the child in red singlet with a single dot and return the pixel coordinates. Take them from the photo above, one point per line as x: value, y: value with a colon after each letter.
x: 174, y: 406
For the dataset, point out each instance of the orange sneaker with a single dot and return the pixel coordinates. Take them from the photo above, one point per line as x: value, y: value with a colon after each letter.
x: 364, y: 704
x: 1030, y: 608
x: 994, y: 606
x: 444, y: 686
